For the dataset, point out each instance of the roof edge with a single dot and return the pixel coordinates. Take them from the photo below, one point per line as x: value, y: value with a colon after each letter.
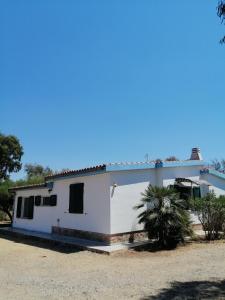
x: 28, y: 187
x: 113, y: 167
x: 217, y: 173
x: 76, y: 172
x: 154, y: 165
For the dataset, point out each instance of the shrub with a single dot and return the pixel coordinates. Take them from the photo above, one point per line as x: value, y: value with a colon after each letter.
x: 211, y: 214
x: 165, y: 217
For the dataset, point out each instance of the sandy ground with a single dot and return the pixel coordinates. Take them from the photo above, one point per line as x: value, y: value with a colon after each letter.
x: 32, y: 271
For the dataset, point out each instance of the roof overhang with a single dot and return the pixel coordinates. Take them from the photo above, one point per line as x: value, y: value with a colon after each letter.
x: 28, y: 187
x: 153, y: 165
x: 96, y: 170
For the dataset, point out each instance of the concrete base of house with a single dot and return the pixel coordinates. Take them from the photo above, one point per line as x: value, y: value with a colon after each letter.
x: 101, y: 237
x: 68, y: 241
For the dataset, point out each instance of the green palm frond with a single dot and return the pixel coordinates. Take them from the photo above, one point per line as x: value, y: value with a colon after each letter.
x: 165, y: 216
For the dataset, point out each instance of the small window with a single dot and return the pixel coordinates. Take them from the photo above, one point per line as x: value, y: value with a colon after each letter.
x: 76, y: 201
x: 19, y: 207
x: 46, y: 201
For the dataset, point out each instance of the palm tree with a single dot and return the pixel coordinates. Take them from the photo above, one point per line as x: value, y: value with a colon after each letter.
x: 165, y: 217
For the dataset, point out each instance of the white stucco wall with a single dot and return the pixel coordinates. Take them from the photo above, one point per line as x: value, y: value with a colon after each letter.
x: 96, y: 216
x: 43, y: 215
x: 130, y: 185
x: 127, y: 194
x: 217, y: 183
x: 168, y: 175
x: 109, y: 199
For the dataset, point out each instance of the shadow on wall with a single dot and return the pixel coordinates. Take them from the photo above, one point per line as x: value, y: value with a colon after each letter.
x: 192, y: 290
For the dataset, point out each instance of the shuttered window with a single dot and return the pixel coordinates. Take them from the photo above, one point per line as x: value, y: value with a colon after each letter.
x: 196, y: 192
x: 37, y: 200
x: 76, y: 201
x: 28, y: 209
x: 19, y: 207
x: 53, y: 200
x: 46, y: 201
x: 25, y: 207
x: 31, y: 207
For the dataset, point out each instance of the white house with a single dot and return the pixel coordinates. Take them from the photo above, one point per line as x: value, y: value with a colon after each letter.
x: 98, y: 202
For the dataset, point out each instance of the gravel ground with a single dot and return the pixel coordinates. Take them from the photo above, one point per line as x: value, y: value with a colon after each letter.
x: 32, y: 271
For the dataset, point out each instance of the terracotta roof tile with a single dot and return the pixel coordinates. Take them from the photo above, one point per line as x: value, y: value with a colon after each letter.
x: 77, y: 172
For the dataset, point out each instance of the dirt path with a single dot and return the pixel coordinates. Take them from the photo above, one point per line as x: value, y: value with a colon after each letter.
x: 30, y: 272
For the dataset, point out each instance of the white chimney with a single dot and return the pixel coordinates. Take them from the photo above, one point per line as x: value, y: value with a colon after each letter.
x: 196, y: 154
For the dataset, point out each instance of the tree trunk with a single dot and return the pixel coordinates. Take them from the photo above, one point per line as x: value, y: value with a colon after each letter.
x: 9, y: 215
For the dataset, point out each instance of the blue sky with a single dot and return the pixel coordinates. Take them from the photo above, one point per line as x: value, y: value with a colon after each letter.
x: 87, y: 82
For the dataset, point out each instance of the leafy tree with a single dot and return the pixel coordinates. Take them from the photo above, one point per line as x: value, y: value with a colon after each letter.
x: 35, y: 174
x: 35, y: 170
x: 221, y: 14
x: 10, y: 161
x: 6, y: 199
x: 10, y: 155
x: 33, y: 180
x: 211, y: 214
x: 219, y: 217
x: 171, y: 158
x: 164, y: 216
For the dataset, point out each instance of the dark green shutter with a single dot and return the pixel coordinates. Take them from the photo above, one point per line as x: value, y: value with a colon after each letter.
x: 19, y: 206
x: 196, y: 192
x: 30, y: 209
x: 46, y: 201
x: 76, y: 198
x: 37, y: 200
x: 53, y: 200
x: 25, y: 207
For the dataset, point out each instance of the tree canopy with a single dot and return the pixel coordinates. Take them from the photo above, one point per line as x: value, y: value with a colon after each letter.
x: 6, y: 199
x: 10, y: 155
x: 34, y: 170
x: 172, y: 158
x: 221, y: 15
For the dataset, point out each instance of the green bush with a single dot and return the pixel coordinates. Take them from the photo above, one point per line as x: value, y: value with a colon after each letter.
x: 211, y: 214
x: 164, y: 216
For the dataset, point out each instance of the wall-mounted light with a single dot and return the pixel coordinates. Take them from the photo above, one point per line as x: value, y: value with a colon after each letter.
x: 50, y: 186
x: 113, y: 189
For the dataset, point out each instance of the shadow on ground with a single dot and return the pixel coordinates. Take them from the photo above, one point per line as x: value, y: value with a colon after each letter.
x: 154, y: 247
x: 50, y: 245
x: 5, y: 224
x: 191, y: 290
